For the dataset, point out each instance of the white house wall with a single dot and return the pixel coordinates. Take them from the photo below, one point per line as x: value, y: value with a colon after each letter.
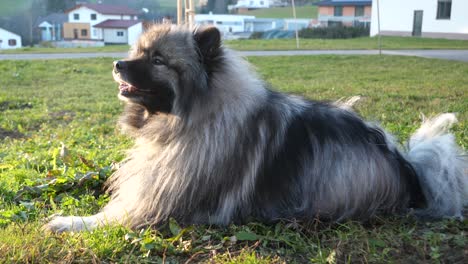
x: 5, y: 36
x: 396, y: 18
x: 85, y: 17
x: 134, y: 32
x: 225, y: 23
x: 253, y: 3
x: 110, y: 36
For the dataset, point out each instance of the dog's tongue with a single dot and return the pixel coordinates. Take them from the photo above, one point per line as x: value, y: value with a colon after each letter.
x: 125, y: 87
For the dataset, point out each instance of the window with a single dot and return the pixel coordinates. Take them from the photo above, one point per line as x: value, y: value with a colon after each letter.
x: 359, y: 11
x: 338, y: 11
x: 84, y: 32
x: 93, y: 16
x: 444, y: 8
x: 12, y: 42
x: 76, y: 16
x: 120, y: 33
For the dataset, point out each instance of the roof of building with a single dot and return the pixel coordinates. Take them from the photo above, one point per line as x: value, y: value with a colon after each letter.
x: 344, y: 3
x: 107, y: 9
x: 54, y: 18
x: 3, y: 30
x: 115, y: 23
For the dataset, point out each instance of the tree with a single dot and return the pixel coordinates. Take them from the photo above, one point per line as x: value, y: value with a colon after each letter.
x: 58, y: 6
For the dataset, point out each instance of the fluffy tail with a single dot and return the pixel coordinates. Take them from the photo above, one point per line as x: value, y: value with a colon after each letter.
x: 441, y: 167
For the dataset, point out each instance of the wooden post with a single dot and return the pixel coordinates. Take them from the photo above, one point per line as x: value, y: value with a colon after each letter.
x: 179, y: 12
x: 188, y: 14
x: 295, y: 22
x: 378, y: 29
x: 192, y: 13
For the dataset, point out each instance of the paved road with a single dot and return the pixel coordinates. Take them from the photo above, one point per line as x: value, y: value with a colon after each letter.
x: 458, y: 55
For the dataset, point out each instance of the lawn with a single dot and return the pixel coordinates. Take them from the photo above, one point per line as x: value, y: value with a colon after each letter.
x: 366, y: 43
x: 108, y: 48
x: 45, y: 104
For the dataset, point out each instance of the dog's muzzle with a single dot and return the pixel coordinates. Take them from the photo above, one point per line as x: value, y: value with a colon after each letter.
x: 119, y: 66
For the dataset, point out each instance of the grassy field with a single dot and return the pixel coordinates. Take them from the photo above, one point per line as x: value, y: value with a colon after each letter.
x: 392, y: 43
x: 109, y: 48
x: 45, y: 104
x: 289, y: 44
x: 284, y: 12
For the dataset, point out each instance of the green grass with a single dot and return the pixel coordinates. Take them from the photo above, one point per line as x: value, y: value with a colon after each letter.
x: 391, y: 43
x: 366, y: 43
x: 284, y: 12
x: 45, y: 103
x: 109, y: 48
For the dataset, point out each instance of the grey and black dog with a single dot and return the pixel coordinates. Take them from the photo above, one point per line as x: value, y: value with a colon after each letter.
x: 215, y: 146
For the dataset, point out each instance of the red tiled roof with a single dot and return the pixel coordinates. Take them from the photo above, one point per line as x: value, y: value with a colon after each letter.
x: 114, y: 23
x: 107, y: 9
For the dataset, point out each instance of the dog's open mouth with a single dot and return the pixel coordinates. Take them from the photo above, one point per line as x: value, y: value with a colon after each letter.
x: 127, y: 89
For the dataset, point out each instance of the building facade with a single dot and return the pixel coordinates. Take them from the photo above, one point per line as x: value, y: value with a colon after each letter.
x: 344, y: 12
x: 50, y: 28
x: 99, y: 22
x: 252, y: 4
x: 120, y: 31
x: 225, y: 23
x: 424, y: 18
x: 9, y: 40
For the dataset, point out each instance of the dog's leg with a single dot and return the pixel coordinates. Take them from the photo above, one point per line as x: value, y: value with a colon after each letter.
x: 59, y: 224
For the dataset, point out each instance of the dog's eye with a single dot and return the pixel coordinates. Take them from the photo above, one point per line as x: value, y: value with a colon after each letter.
x: 157, y: 61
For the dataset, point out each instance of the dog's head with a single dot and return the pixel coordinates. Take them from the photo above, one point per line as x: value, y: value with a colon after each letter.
x: 168, y: 67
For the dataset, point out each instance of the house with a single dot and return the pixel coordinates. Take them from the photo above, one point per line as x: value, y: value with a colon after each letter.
x: 50, y: 28
x: 225, y: 23
x: 425, y: 18
x: 237, y: 24
x: 345, y: 12
x: 263, y: 24
x: 99, y: 22
x: 251, y: 4
x: 9, y: 40
x: 243, y: 6
x: 120, y: 31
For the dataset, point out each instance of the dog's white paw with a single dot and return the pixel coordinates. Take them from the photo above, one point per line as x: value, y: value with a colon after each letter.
x: 59, y: 224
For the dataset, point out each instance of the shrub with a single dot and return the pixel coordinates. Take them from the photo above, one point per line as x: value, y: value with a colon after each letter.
x: 336, y: 32
x: 46, y: 44
x: 256, y: 35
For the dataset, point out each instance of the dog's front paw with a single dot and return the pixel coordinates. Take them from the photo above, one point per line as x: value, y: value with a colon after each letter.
x: 59, y: 224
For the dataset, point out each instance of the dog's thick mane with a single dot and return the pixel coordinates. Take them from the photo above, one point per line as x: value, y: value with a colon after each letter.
x: 166, y: 142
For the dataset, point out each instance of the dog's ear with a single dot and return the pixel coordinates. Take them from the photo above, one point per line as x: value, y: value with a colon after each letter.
x: 208, y: 40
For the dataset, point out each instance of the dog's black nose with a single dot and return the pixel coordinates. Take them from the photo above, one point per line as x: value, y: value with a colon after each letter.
x: 119, y: 65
